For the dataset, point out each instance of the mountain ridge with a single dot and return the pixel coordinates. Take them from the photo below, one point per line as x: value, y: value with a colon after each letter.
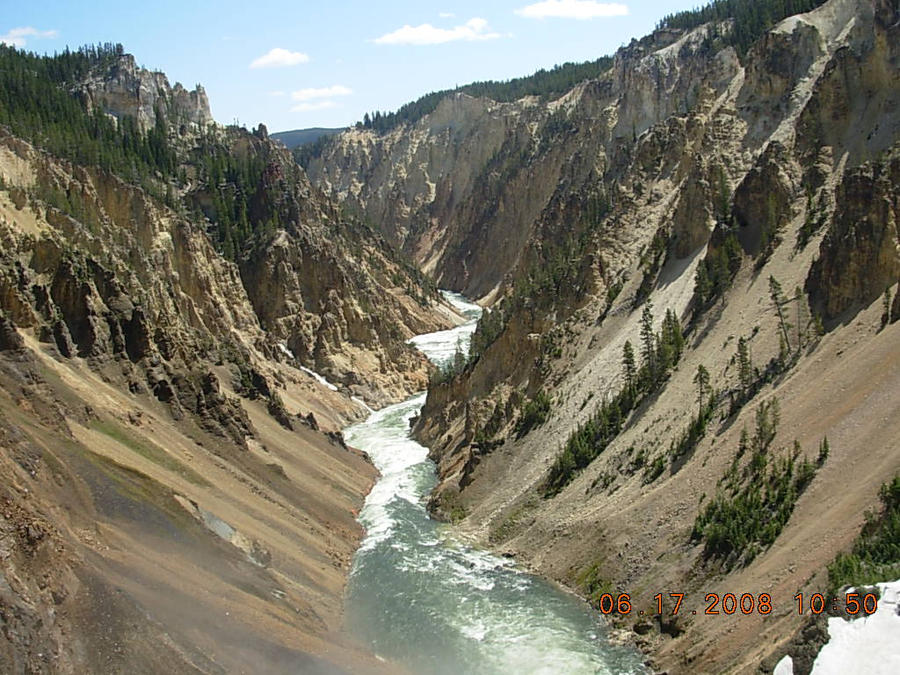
x: 686, y: 379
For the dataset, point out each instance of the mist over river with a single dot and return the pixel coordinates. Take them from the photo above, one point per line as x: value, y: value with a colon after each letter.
x: 419, y: 598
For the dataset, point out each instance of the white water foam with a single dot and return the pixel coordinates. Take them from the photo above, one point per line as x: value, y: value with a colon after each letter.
x: 430, y: 602
x: 443, y: 345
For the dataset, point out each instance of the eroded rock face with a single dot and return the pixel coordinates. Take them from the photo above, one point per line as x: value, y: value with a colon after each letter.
x: 860, y: 256
x: 792, y: 142
x: 854, y: 103
x: 125, y: 89
x: 145, y: 367
x: 10, y: 340
x: 465, y: 189
x: 331, y: 315
x: 764, y: 200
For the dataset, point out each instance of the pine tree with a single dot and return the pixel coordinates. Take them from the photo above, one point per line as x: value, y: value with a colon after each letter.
x: 629, y: 365
x: 778, y: 299
x: 648, y: 340
x: 818, y: 325
x: 824, y: 451
x: 723, y: 196
x: 744, y: 443
x: 803, y: 319
x: 701, y: 379
x: 745, y: 367
x: 672, y: 334
x: 703, y: 285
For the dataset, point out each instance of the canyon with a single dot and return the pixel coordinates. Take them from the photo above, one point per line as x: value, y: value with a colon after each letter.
x: 182, y: 345
x: 569, y: 217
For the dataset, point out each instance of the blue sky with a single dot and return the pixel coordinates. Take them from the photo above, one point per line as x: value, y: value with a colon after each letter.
x: 295, y: 65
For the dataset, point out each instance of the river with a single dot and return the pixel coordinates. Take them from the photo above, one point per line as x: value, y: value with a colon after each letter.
x: 422, y: 599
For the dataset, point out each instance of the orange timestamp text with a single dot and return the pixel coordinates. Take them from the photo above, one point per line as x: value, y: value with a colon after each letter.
x: 728, y: 604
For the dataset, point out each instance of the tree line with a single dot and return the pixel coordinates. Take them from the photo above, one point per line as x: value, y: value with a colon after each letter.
x: 37, y: 104
x: 750, y: 19
x: 660, y: 353
x: 547, y: 84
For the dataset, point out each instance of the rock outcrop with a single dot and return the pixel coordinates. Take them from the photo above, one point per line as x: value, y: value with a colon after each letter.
x: 860, y: 255
x: 123, y: 89
x: 465, y: 189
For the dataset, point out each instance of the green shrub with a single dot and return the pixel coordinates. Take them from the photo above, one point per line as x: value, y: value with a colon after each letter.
x: 534, y: 414
x: 749, y: 511
x: 875, y: 555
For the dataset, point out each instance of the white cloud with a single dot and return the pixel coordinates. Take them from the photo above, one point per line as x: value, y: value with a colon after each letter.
x: 322, y: 92
x: 311, y: 99
x: 572, y: 9
x: 446, y: 15
x: 278, y: 57
x: 317, y: 105
x: 426, y: 34
x: 17, y: 36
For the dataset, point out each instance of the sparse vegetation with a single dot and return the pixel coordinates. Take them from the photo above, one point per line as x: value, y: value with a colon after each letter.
x: 814, y: 221
x: 750, y: 19
x: 449, y: 370
x: 547, y: 84
x: 716, y: 271
x: 886, y: 307
x: 534, y: 413
x: 661, y: 353
x: 510, y: 523
x: 556, y: 274
x: 593, y: 584
x: 750, y: 379
x: 149, y: 451
x: 751, y: 507
x: 651, y: 262
x: 655, y: 469
x: 685, y: 444
x: 875, y: 555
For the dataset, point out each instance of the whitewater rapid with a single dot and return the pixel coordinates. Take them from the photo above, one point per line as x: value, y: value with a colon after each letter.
x: 421, y: 599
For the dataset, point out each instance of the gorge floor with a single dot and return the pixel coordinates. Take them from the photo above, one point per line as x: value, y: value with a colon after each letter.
x: 422, y: 598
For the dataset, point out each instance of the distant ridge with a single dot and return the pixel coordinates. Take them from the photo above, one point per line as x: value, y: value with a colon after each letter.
x: 298, y: 137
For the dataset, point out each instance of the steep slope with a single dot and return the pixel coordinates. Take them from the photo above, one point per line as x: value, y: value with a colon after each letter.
x: 176, y: 495
x: 754, y: 196
x: 317, y: 279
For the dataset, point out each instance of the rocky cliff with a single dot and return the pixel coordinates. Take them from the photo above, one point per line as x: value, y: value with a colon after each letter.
x: 124, y: 89
x: 753, y: 196
x: 318, y: 280
x: 465, y: 189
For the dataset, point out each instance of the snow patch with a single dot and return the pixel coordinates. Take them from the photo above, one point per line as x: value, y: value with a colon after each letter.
x: 362, y: 403
x: 784, y: 667
x: 318, y: 378
x: 322, y: 380
x: 865, y: 645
